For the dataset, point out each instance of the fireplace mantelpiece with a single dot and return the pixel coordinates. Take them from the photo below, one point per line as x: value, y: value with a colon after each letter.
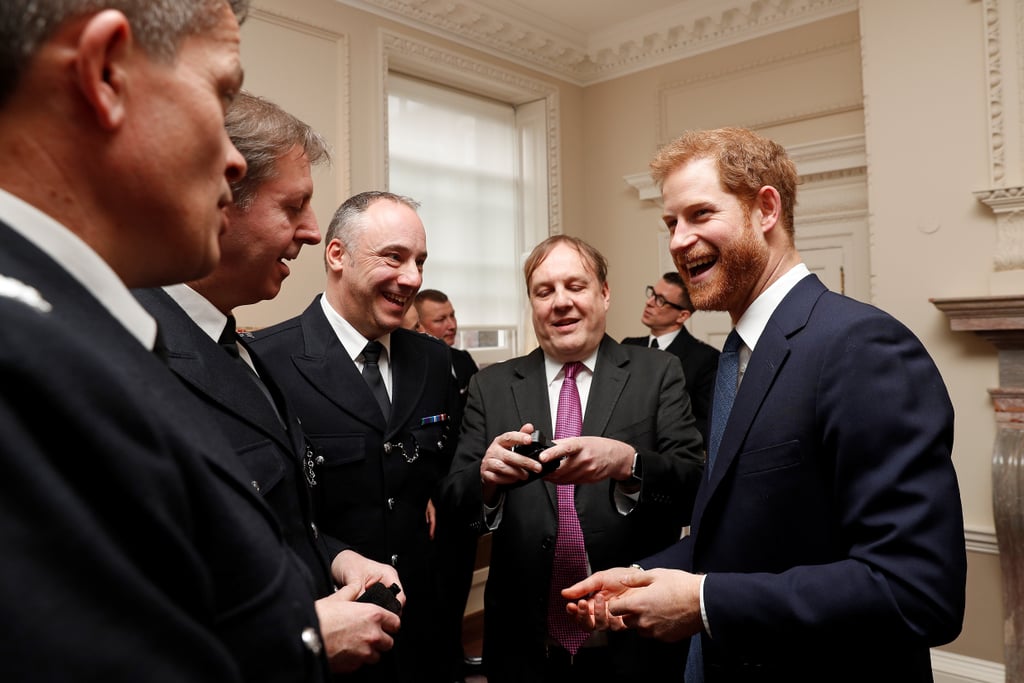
x: 1000, y: 320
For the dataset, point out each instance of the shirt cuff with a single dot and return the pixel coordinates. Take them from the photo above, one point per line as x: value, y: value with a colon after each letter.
x: 704, y: 612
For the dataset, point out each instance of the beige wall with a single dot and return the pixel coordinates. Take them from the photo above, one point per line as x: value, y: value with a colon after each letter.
x: 921, y: 68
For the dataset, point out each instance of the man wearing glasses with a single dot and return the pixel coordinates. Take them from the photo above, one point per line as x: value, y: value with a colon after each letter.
x: 667, y: 309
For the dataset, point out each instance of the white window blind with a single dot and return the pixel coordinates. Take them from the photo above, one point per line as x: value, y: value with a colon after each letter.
x: 457, y: 155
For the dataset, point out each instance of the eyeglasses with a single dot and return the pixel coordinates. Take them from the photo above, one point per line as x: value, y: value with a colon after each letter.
x: 660, y: 300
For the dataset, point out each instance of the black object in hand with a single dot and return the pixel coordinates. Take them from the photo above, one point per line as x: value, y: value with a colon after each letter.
x: 384, y: 596
x: 537, y: 445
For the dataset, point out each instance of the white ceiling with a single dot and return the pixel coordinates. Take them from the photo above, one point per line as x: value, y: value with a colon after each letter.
x: 588, y: 41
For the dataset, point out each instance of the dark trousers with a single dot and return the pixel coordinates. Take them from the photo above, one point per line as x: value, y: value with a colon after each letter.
x: 588, y: 665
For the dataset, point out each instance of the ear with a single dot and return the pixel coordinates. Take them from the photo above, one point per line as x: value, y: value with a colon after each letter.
x: 334, y: 254
x: 769, y: 204
x: 606, y: 293
x: 104, y: 46
x: 683, y: 317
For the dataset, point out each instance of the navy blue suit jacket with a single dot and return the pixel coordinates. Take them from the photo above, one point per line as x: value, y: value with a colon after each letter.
x: 135, y: 548
x: 275, y: 457
x: 375, y: 477
x: 830, y: 528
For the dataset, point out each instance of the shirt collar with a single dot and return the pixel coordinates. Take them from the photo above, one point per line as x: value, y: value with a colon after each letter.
x: 350, y: 338
x: 553, y: 369
x: 81, y: 262
x: 753, y: 321
x: 203, y: 313
x: 665, y: 340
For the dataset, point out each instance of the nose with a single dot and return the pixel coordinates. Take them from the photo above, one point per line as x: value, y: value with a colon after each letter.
x: 235, y: 166
x: 308, y: 231
x: 410, y: 274
x: 681, y: 239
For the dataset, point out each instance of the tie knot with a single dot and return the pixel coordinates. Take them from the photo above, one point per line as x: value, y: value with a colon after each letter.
x: 371, y: 352
x: 572, y: 369
x: 229, y: 336
x: 732, y: 342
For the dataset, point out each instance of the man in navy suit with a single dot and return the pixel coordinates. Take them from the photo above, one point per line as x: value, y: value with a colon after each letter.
x: 827, y: 540
x: 134, y: 547
x: 380, y: 406
x: 666, y: 311
x: 269, y: 220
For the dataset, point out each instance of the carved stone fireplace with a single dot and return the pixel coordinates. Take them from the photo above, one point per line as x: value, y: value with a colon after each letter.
x: 1000, y: 320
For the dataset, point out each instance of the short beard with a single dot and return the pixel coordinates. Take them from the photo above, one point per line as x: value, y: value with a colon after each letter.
x: 739, y: 267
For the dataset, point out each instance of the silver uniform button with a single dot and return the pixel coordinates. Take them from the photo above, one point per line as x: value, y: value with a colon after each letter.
x: 391, y: 503
x: 387, y: 447
x: 311, y: 639
x: 394, y: 560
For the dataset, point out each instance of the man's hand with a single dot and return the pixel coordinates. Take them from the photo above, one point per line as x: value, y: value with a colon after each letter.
x: 658, y: 603
x: 501, y: 466
x: 431, y: 518
x: 354, y: 633
x: 589, y: 459
x: 349, y: 568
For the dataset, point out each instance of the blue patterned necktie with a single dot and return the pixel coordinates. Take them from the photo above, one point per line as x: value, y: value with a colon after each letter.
x: 725, y: 393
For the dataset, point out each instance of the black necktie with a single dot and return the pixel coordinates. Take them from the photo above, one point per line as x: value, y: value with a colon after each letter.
x: 228, y: 341
x: 229, y: 337
x: 371, y: 373
x: 654, y: 342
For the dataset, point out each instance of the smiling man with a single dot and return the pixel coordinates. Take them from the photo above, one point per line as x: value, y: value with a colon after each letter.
x: 827, y: 540
x: 269, y: 221
x: 379, y: 404
x: 134, y: 548
x: 626, y: 484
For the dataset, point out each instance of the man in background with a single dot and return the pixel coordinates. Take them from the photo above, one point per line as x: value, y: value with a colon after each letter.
x: 827, y: 540
x: 630, y: 465
x: 666, y: 311
x: 135, y: 549
x: 269, y: 220
x: 436, y: 316
x: 380, y: 406
x: 456, y: 543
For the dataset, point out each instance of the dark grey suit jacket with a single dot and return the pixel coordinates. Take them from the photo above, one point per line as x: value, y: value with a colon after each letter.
x: 830, y: 529
x: 636, y: 396
x: 700, y: 363
x: 135, y: 548
x: 275, y: 457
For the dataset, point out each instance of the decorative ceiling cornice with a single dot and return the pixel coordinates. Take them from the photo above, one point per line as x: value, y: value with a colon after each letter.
x: 688, y: 28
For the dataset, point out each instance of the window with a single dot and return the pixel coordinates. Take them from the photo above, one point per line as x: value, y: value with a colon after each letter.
x: 469, y: 160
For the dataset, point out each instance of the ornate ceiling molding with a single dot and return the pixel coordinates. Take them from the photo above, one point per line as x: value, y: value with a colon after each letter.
x: 689, y: 28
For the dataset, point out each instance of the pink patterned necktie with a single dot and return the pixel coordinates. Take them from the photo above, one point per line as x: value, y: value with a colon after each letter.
x: 570, y: 564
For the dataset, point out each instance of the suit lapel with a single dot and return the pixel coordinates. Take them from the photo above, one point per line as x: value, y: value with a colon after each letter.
x: 766, y: 361
x: 326, y: 366
x: 530, y: 395
x: 201, y: 363
x: 610, y: 377
x: 408, y: 379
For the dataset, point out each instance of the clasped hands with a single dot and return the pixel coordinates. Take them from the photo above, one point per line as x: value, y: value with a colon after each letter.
x: 584, y: 460
x: 658, y: 603
x: 356, y: 633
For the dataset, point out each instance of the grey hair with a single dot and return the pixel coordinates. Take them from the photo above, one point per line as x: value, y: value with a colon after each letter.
x: 347, y: 223
x: 158, y: 27
x: 263, y: 132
